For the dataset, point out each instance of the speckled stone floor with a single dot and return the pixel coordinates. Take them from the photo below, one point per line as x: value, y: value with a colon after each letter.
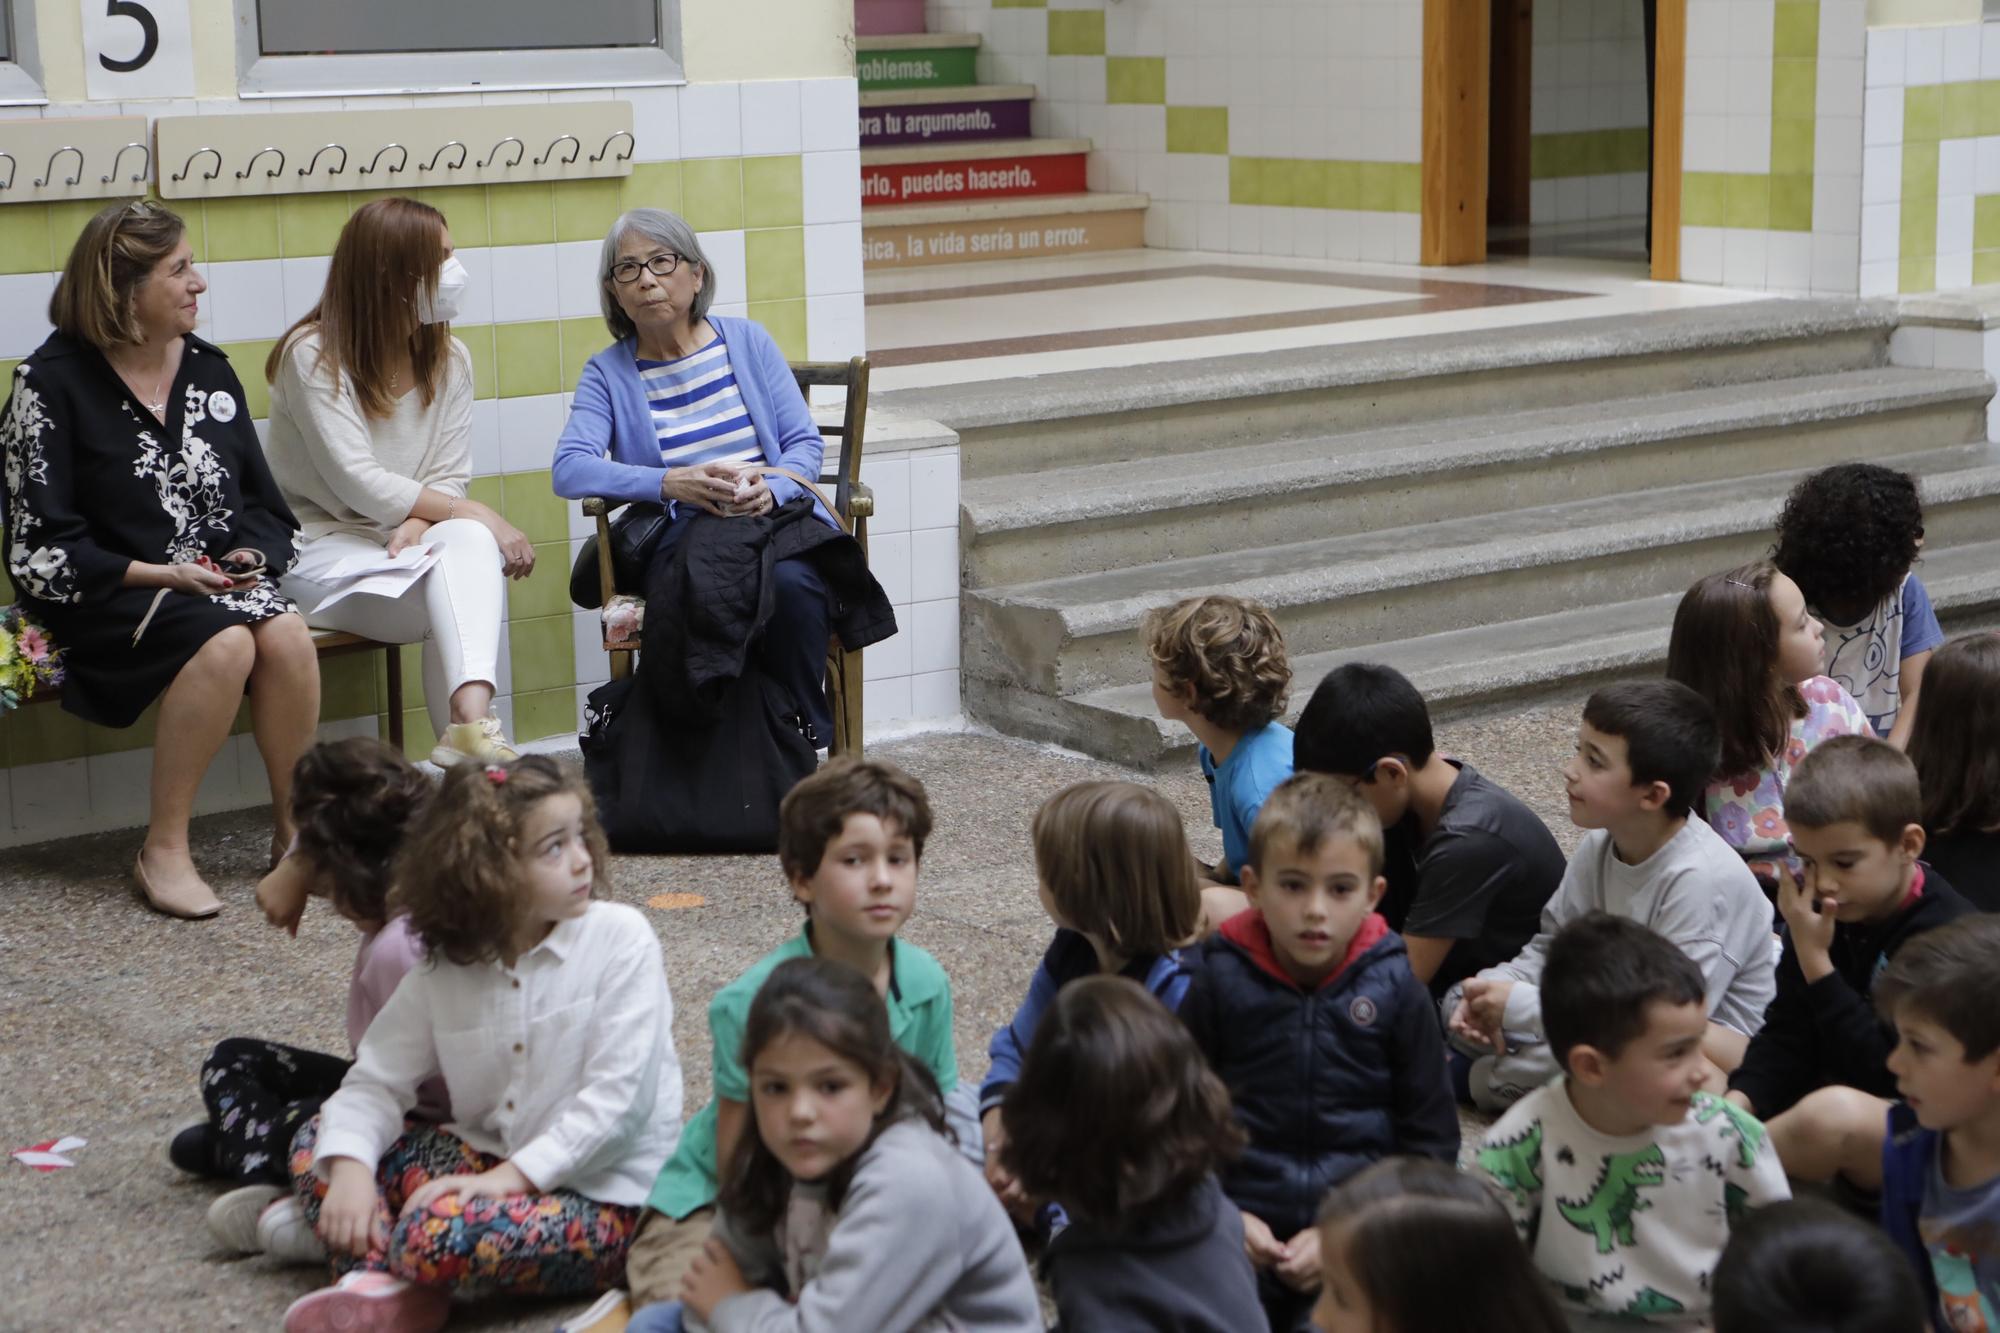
x: 106, y: 1010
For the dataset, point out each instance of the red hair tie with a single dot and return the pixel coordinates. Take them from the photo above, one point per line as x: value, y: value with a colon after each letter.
x: 495, y: 774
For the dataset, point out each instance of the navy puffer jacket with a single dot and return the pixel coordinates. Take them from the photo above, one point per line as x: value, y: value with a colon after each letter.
x: 1324, y: 1081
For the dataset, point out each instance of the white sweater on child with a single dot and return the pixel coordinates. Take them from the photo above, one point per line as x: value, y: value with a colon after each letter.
x: 1629, y: 1227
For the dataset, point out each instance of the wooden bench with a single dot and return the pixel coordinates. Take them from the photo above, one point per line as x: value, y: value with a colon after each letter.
x: 854, y: 501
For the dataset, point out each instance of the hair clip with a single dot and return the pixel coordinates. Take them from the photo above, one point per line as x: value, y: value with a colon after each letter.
x: 1739, y: 583
x: 495, y: 774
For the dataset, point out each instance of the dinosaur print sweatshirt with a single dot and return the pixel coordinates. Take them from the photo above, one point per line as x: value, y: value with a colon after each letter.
x: 1629, y: 1228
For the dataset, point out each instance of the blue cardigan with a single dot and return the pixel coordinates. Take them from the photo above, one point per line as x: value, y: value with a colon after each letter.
x: 609, y: 446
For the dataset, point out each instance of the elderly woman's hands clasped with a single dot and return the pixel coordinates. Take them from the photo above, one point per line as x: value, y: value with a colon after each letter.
x: 722, y: 489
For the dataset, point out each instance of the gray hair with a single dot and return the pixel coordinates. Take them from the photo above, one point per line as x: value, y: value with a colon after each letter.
x: 665, y: 229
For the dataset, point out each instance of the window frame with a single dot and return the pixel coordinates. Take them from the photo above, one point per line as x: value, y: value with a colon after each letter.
x: 534, y: 69
x: 21, y: 74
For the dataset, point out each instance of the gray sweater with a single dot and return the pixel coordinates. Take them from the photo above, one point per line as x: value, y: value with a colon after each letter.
x: 919, y: 1245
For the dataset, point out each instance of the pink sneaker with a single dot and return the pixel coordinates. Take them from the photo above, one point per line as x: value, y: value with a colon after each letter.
x: 369, y: 1303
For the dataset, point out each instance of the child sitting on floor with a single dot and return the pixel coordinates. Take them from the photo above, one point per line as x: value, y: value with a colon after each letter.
x: 1941, y: 1185
x: 1117, y: 1119
x: 1744, y: 641
x: 845, y: 1207
x: 547, y: 1012
x: 1469, y: 866
x: 1219, y: 666
x: 1305, y: 1006
x: 1861, y: 897
x: 1117, y: 879
x: 850, y: 841
x: 1849, y: 536
x: 1623, y: 1176
x: 1956, y: 748
x: 1643, y: 754
x: 352, y: 802
x: 1807, y: 1266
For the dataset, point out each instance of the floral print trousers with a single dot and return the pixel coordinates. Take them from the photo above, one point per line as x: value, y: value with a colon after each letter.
x: 556, y: 1243
x: 258, y: 1093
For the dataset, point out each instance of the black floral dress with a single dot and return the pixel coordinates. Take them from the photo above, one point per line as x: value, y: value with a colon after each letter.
x: 93, y: 482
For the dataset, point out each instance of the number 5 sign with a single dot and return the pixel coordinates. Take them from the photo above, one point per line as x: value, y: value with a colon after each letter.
x: 136, y: 50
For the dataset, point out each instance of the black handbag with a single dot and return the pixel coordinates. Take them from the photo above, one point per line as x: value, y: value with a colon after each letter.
x: 634, y: 534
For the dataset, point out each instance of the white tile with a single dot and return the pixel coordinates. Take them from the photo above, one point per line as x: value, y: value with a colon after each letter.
x: 656, y: 123
x: 934, y: 564
x: 253, y: 779
x: 1707, y: 148
x: 890, y: 657
x: 884, y: 701
x: 1750, y: 23
x: 935, y: 696
x: 593, y: 664
x: 890, y: 561
x: 246, y: 299
x: 1986, y: 166
x: 524, y: 282
x: 529, y: 428
x: 1837, y: 204
x: 1840, y: 90
x: 936, y: 637
x: 1957, y: 167
x: 1837, y: 146
x: 120, y: 784
x: 24, y: 308
x: 1750, y: 144
x: 833, y: 258
x: 1961, y: 54
x: 831, y: 184
x: 1954, y: 226
x: 302, y: 281
x: 576, y: 278
x: 889, y: 478
x: 1843, y: 29
x: 725, y: 257
x: 711, y: 120
x: 1882, y: 174
x: 1923, y: 56
x: 1886, y: 51
x: 1914, y: 347
x: 835, y: 326
x: 1788, y: 261
x: 1989, y: 50
x: 1836, y: 264
x: 1959, y: 349
x: 581, y: 525
x: 1743, y: 259
x: 934, y: 489
x: 485, y: 437
x: 1749, y: 86
x: 221, y: 786
x: 771, y: 121
x: 1954, y: 271
x: 1879, y: 279
x: 1881, y: 233
x: 50, y: 800
x: 478, y: 304
x: 830, y: 115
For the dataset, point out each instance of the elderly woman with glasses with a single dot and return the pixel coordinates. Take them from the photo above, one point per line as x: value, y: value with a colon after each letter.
x: 679, y: 410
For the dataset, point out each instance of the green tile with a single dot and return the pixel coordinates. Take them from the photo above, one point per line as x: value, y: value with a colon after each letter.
x: 1791, y: 147
x: 1137, y: 80
x: 247, y: 360
x: 1747, y: 201
x: 347, y: 684
x: 1988, y: 99
x: 1917, y: 275
x: 785, y: 321
x: 1309, y: 183
x: 548, y: 713
x: 478, y: 340
x: 521, y: 214
x: 1280, y: 177
x: 1960, y: 117
x: 1409, y: 186
x: 1343, y: 185
x: 66, y: 223
x: 585, y: 210
x: 1920, y: 170
x: 1917, y: 230
x: 486, y: 490
x: 1985, y: 267
x: 1246, y: 180
x: 242, y: 229
x: 712, y: 193
x: 1197, y: 129
x: 542, y: 653
x: 43, y: 734
x: 1076, y: 32
x: 1378, y: 188
x: 775, y: 263
x: 417, y: 738
x: 412, y: 662
x: 582, y: 338
x: 1986, y: 222
x: 118, y: 740
x: 654, y: 185
x: 1794, y: 87
x: 1796, y: 30
x: 528, y: 357
x: 309, y: 224
x: 24, y: 240
x: 773, y: 192
x: 464, y: 209
x: 1792, y: 203
x: 1704, y: 198
x: 528, y: 502
x: 544, y: 592
x: 1923, y: 114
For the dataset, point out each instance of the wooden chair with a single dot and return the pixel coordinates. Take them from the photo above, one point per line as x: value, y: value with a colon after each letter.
x: 856, y: 504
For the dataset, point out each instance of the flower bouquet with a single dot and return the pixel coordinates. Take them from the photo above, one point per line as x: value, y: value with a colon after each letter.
x: 29, y: 661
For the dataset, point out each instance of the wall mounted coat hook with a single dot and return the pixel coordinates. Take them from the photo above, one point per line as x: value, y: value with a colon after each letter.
x: 378, y: 157
x: 452, y: 166
x: 313, y: 165
x: 273, y: 173
x: 520, y: 151
x: 626, y: 156
x: 50, y: 170
x: 145, y: 162
x: 188, y: 165
x: 12, y: 167
x: 576, y: 146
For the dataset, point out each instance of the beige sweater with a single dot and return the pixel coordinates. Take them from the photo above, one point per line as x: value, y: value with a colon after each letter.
x: 342, y: 471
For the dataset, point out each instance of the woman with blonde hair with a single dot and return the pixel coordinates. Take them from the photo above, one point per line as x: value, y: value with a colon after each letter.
x: 144, y: 530
x: 371, y: 440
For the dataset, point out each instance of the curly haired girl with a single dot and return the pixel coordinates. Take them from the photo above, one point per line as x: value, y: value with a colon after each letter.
x: 1744, y: 641
x: 548, y: 1014
x: 1848, y: 537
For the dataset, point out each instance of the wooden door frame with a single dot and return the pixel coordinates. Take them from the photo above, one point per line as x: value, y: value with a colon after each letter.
x: 1669, y: 106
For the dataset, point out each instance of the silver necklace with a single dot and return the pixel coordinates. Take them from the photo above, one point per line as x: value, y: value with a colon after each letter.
x: 158, y: 409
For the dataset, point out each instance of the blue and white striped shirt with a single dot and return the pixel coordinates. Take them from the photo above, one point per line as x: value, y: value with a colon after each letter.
x: 697, y: 409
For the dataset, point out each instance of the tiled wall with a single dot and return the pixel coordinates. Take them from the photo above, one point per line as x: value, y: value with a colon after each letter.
x: 1588, y: 150
x: 1288, y: 128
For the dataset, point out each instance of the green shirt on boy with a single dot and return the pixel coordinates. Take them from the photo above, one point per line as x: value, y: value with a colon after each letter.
x: 919, y: 1003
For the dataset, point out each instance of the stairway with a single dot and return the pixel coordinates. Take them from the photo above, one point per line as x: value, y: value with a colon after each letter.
x: 950, y: 171
x: 1495, y: 513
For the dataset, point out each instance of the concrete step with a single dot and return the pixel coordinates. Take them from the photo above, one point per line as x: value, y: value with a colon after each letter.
x: 945, y: 115
x: 1102, y: 516
x: 952, y: 172
x: 1457, y: 671
x: 875, y: 18
x: 1079, y: 633
x: 1143, y: 412
x: 905, y: 235
x: 916, y: 60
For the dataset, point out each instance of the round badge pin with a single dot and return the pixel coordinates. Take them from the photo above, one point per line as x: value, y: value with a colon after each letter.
x: 222, y: 406
x: 1362, y: 1011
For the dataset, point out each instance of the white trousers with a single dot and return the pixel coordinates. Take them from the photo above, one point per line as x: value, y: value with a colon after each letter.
x: 455, y: 610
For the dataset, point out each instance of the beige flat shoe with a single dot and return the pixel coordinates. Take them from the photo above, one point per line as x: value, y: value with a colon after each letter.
x: 189, y: 905
x: 481, y: 742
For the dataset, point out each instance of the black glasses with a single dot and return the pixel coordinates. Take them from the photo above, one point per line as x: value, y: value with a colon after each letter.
x: 660, y: 265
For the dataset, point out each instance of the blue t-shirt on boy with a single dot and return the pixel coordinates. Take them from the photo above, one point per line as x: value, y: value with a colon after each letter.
x: 1238, y: 786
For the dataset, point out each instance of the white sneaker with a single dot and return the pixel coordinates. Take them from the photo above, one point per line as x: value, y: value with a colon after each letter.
x: 285, y: 1235
x: 373, y: 1301
x: 481, y: 742
x: 611, y: 1312
x: 233, y: 1217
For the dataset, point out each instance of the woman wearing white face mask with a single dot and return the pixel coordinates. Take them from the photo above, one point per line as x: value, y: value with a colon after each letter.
x: 371, y: 443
